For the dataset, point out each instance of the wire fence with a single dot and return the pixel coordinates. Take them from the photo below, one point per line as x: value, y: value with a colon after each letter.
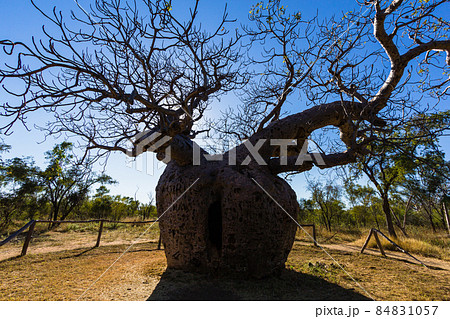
x: 30, y: 226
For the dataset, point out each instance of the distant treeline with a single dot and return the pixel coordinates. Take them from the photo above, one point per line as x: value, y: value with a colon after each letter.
x: 62, y: 190
x: 406, y: 177
x: 364, y: 207
x: 405, y: 192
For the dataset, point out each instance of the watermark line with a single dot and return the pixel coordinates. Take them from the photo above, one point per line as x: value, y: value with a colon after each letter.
x: 295, y: 221
x: 135, y: 241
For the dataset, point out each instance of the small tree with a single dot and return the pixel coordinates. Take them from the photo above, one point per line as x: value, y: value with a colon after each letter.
x: 19, y: 189
x: 148, y: 210
x: 400, y: 151
x: 306, y: 211
x: 385, y: 173
x: 327, y: 198
x: 428, y: 185
x: 66, y: 182
x: 362, y: 201
x: 101, y: 205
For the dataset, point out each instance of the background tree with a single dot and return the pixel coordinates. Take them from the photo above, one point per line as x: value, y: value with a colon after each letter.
x: 403, y: 150
x: 385, y: 170
x: 146, y: 72
x: 148, y: 210
x: 327, y: 198
x: 427, y: 185
x: 307, y: 213
x: 28, y: 192
x: 445, y: 203
x: 363, y: 204
x: 19, y: 189
x: 102, y: 203
x: 66, y: 181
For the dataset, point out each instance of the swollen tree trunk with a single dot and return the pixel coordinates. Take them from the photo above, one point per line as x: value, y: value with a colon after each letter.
x: 238, y: 217
x: 215, y: 218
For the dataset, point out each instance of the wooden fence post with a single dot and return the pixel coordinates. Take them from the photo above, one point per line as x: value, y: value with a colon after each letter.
x: 99, y: 234
x: 400, y: 248
x: 159, y: 242
x: 16, y: 233
x: 314, y: 234
x: 367, y: 241
x: 379, y: 243
x: 28, y: 238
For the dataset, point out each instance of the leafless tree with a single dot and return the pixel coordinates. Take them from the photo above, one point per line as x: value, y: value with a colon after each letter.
x: 129, y: 67
x: 124, y: 68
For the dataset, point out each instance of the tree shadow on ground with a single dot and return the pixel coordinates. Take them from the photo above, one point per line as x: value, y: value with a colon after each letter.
x: 177, y: 285
x: 95, y: 251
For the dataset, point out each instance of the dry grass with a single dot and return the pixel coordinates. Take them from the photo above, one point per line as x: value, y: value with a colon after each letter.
x: 141, y: 274
x: 428, y: 245
x: 61, y: 265
x: 326, y: 237
x: 411, y: 245
x: 65, y: 275
x: 421, y: 241
x: 383, y: 278
x: 74, y: 236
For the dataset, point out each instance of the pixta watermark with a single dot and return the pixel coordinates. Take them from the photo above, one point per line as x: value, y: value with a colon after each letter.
x: 150, y: 141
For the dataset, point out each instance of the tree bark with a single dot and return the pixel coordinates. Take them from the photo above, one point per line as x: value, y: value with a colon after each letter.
x: 430, y: 217
x: 447, y: 218
x: 399, y: 224
x: 376, y: 221
x: 407, y: 208
x: 387, y: 213
x: 214, y: 218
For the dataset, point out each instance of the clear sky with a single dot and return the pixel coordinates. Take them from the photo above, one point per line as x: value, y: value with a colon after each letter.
x: 19, y: 20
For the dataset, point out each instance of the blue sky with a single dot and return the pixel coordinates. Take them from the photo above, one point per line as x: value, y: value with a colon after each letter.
x: 19, y: 21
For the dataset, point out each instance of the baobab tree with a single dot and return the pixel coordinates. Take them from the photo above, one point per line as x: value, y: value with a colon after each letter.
x: 133, y: 71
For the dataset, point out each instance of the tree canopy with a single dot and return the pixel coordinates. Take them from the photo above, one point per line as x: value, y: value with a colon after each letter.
x: 127, y: 69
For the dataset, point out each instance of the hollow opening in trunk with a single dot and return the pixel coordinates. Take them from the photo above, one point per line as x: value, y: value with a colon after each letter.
x: 215, y: 225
